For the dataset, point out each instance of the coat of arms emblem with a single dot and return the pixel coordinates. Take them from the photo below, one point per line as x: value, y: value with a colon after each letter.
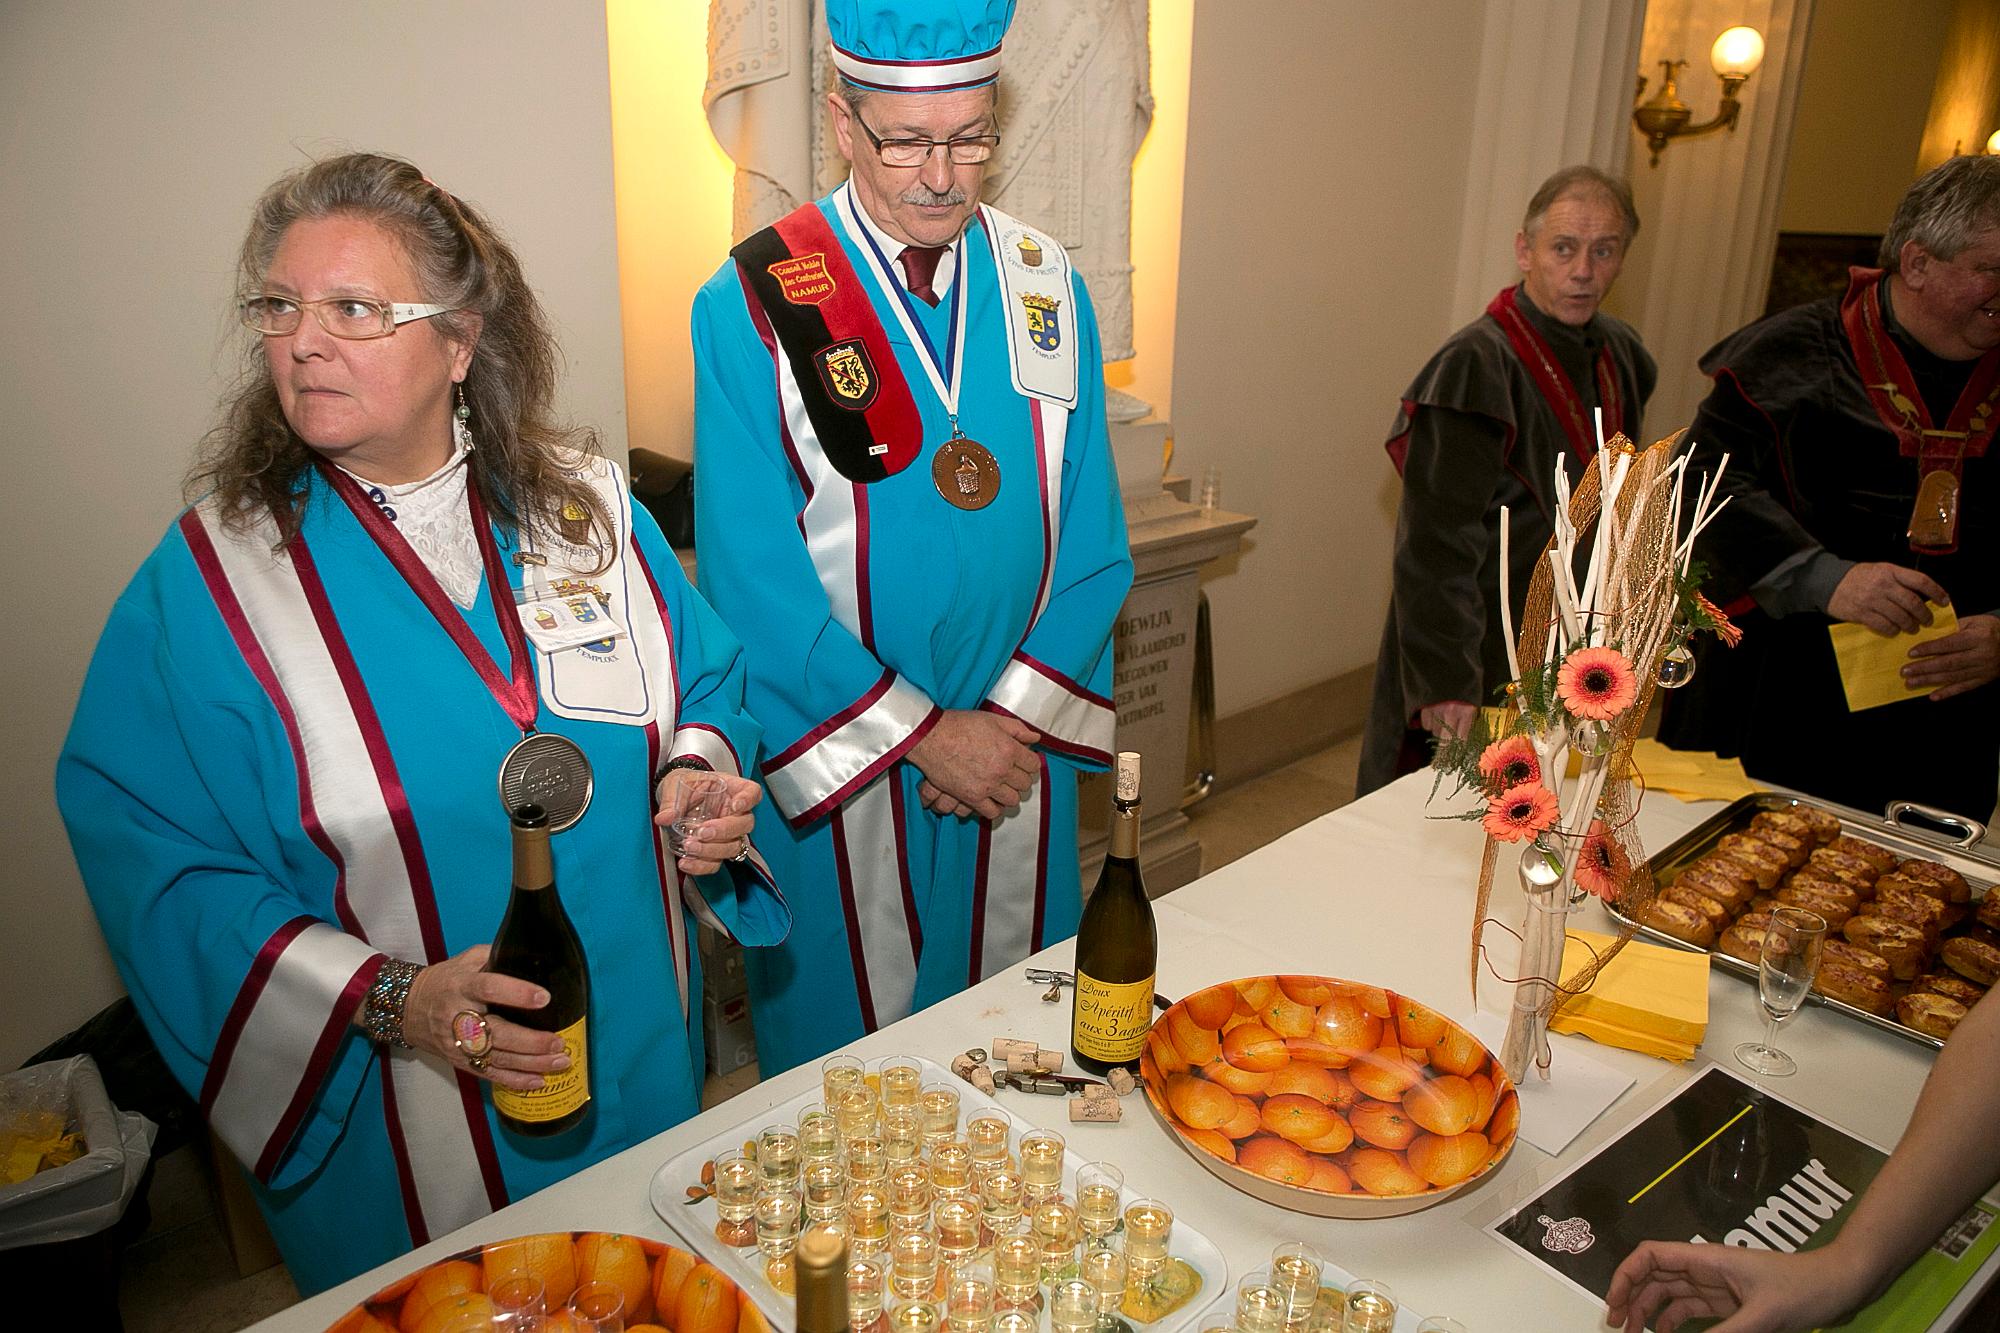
x: 847, y: 373
x: 1572, y: 1235
x: 1044, y: 331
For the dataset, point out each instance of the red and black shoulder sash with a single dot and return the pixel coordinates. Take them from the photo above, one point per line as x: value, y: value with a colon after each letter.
x: 805, y: 293
x: 1554, y: 384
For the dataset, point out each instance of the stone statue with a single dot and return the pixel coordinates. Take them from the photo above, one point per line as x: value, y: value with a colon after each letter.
x: 1075, y: 103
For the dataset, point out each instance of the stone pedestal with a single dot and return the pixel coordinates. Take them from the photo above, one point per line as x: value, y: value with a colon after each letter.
x: 1153, y: 675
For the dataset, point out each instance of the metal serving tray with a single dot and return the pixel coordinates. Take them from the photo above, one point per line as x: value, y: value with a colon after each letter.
x: 1978, y: 866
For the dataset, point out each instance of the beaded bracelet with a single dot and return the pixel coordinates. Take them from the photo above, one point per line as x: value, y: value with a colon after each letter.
x: 382, y: 1010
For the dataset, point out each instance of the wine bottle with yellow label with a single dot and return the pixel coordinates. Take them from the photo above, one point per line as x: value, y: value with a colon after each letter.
x: 537, y: 943
x: 1117, y: 945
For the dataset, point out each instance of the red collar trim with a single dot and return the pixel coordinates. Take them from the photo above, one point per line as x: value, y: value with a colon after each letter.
x: 1554, y: 384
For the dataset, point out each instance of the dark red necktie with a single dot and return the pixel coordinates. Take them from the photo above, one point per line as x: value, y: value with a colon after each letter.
x: 919, y: 267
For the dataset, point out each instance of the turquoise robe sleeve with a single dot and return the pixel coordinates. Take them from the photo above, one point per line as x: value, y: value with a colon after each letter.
x: 808, y: 676
x: 714, y: 727
x: 165, y: 784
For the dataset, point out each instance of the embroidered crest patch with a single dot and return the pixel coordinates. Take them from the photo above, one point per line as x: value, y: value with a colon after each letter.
x: 1043, y: 329
x: 803, y: 279
x: 847, y: 373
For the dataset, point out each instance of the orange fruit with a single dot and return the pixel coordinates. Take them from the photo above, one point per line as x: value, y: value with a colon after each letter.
x: 1286, y: 1017
x: 620, y: 1261
x: 1199, y: 1044
x: 1506, y: 1119
x: 1247, y: 1082
x: 1165, y: 1054
x: 1314, y: 991
x: 1347, y: 1027
x: 1199, y: 1103
x: 395, y: 1290
x: 1313, y: 1051
x: 1255, y: 1049
x: 1328, y: 1178
x: 1308, y: 1080
x: 1457, y: 1051
x: 1447, y: 1104
x: 1447, y: 1159
x: 1385, y: 1073
x: 1382, y: 1124
x: 1419, y: 1025
x: 1483, y: 1098
x: 1257, y: 991
x: 1211, y: 1007
x: 443, y: 1314
x: 707, y: 1303
x: 1275, y: 1159
x: 551, y: 1257
x: 1345, y: 1094
x: 1295, y: 1116
x: 668, y: 1276
x: 1246, y: 1121
x: 1338, y: 1139
x: 453, y: 1277
x: 1208, y: 1139
x: 645, y: 1328
x: 1372, y: 999
x: 1381, y: 1172
x: 361, y: 1321
x: 749, y: 1319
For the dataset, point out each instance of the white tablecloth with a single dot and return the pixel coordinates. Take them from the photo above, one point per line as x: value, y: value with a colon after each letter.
x: 1371, y: 892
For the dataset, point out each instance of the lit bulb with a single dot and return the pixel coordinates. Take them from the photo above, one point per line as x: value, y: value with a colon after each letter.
x: 1737, y: 53
x: 1993, y: 144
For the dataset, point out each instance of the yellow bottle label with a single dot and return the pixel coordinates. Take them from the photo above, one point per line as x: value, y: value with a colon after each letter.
x: 561, y: 1092
x: 1112, y: 1018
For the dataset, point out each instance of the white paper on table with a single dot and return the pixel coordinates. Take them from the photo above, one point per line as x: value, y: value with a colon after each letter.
x: 1578, y: 1090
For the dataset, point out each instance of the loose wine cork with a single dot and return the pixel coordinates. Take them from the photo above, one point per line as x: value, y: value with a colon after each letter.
x: 1122, y: 1081
x: 1095, y: 1110
x: 1049, y: 1060
x: 1027, y: 1062
x: 1005, y: 1048
x: 981, y: 1078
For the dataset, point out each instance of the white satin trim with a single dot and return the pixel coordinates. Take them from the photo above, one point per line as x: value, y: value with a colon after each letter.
x: 1053, y: 708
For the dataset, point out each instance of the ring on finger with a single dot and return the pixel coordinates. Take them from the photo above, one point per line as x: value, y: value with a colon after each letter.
x: 477, y: 1063
x: 472, y: 1036
x: 743, y: 852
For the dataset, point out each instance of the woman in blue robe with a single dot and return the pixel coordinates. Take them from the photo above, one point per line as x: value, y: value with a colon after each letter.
x: 281, y: 780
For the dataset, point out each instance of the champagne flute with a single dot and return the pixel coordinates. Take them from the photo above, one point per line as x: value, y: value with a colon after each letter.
x: 1785, y: 968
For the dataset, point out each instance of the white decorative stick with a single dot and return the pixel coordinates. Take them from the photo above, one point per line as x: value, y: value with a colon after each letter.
x: 1507, y: 603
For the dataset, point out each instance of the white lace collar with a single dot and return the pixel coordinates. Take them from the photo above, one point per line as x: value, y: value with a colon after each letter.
x: 432, y: 516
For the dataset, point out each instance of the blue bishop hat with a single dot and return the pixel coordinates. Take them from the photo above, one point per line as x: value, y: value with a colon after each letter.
x: 918, y: 46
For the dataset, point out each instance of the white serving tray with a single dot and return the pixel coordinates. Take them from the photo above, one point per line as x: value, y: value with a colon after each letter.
x: 695, y: 1222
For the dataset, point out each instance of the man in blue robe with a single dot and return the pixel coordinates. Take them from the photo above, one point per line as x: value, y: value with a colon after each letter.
x: 907, y: 511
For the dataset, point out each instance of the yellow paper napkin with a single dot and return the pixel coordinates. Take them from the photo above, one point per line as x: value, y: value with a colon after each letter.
x: 1649, y: 999
x: 1871, y: 664
x: 1689, y: 775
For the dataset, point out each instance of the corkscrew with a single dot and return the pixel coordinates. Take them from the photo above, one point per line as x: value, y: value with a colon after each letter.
x: 1055, y: 981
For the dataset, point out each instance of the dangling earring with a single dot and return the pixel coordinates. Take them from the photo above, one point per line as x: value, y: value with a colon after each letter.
x: 460, y: 416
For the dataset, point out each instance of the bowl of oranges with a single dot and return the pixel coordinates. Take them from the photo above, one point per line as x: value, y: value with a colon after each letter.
x: 1327, y: 1096
x: 661, y: 1287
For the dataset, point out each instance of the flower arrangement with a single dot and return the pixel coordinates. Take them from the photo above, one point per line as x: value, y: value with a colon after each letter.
x: 1604, y: 624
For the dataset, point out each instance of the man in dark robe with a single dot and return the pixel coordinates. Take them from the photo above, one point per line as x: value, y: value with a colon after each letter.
x: 1483, y: 427
x: 1838, y: 416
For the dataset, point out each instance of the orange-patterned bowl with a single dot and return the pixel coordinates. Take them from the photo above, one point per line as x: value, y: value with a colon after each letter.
x: 1327, y: 1096
x: 665, y: 1287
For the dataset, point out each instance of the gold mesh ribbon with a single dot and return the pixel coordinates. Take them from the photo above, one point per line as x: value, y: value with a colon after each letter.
x: 1645, y: 577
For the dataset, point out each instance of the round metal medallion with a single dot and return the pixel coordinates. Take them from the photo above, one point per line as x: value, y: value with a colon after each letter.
x: 965, y: 474
x: 549, y: 771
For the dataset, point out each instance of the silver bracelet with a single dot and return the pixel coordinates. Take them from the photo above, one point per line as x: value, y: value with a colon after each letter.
x: 382, y: 1010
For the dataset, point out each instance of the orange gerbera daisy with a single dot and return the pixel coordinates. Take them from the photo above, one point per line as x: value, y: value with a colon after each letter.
x: 1597, y: 683
x: 1602, y: 867
x: 1725, y: 629
x: 1520, y: 812
x: 1509, y: 763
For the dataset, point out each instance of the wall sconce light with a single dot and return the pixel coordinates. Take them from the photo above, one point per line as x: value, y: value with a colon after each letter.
x: 1993, y: 144
x: 1734, y: 57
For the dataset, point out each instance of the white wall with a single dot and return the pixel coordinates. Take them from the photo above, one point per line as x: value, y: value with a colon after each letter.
x: 136, y: 135
x: 1326, y: 166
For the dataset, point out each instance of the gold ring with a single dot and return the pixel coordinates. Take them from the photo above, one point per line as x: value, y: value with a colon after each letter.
x: 472, y: 1036
x: 743, y: 852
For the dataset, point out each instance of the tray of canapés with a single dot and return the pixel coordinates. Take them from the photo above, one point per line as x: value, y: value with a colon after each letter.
x: 955, y: 1213
x: 1911, y: 941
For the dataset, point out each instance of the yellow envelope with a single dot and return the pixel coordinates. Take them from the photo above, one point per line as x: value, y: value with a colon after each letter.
x: 1871, y: 664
